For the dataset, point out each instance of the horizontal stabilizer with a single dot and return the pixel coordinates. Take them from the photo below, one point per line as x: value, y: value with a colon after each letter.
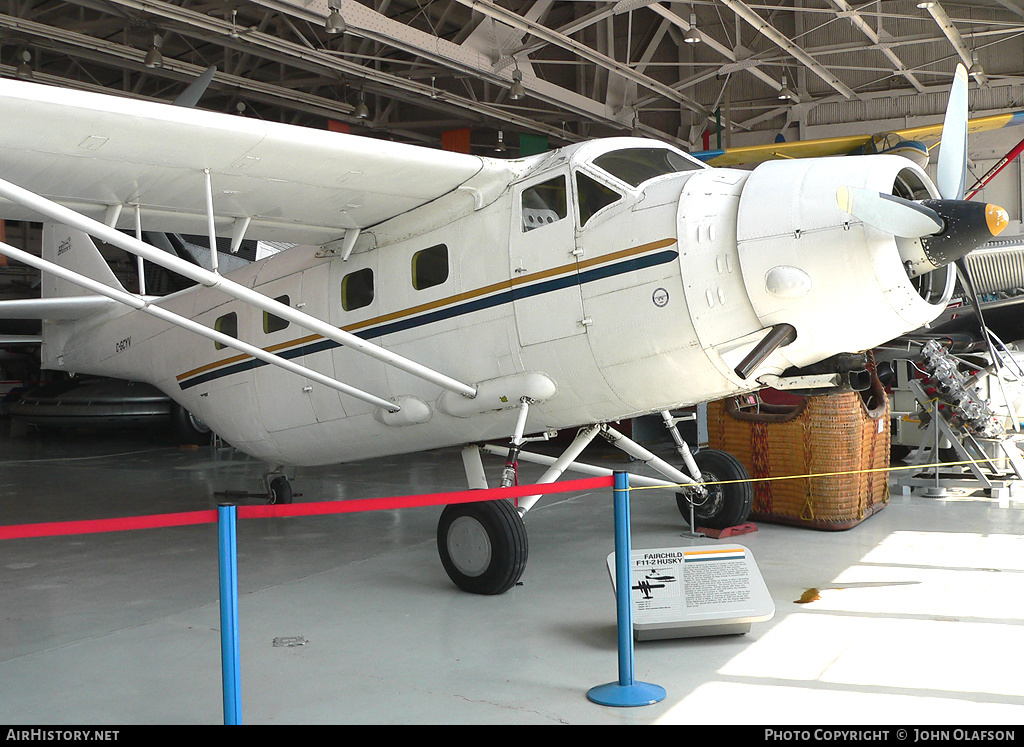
x: 65, y: 308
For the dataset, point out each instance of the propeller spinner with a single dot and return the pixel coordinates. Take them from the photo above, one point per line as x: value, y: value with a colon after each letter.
x: 930, y: 233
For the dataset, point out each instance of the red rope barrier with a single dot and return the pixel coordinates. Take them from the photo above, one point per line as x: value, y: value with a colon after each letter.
x: 188, y: 518
x: 95, y: 526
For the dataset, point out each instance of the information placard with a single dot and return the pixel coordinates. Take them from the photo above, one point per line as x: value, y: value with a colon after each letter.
x: 703, y: 590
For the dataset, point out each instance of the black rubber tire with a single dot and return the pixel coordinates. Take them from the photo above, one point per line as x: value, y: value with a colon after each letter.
x: 188, y: 428
x: 726, y: 505
x: 280, y: 491
x: 483, y: 546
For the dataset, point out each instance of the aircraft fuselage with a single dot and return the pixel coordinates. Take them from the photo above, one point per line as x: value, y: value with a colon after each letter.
x: 595, y: 298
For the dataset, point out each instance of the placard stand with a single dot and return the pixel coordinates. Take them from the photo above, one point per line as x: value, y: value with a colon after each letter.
x: 686, y: 592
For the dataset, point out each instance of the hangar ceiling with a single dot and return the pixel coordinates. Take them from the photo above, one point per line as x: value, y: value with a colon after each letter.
x: 590, y: 68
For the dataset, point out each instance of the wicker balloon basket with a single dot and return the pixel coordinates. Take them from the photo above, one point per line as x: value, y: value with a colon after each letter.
x: 823, y: 435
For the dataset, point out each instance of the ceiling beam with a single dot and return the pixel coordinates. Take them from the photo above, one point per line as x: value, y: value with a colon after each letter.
x: 363, y: 21
x: 581, y: 50
x: 949, y: 29
x: 720, y: 48
x: 764, y: 28
x: 861, y: 25
x: 334, y: 65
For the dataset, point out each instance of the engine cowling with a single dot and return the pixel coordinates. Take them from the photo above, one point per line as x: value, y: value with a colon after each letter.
x: 841, y: 283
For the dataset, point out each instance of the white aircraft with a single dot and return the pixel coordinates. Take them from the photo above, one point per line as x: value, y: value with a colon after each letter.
x: 439, y: 299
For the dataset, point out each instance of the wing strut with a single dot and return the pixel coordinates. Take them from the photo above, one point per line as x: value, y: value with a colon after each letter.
x: 159, y: 312
x: 60, y: 214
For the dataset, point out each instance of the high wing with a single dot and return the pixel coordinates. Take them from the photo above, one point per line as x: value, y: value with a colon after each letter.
x: 926, y: 135
x: 97, y: 153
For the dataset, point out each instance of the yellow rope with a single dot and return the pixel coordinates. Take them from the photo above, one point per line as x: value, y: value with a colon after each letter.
x: 804, y: 477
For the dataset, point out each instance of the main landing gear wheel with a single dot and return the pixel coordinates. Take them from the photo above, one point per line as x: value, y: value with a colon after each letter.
x: 483, y: 546
x: 725, y: 505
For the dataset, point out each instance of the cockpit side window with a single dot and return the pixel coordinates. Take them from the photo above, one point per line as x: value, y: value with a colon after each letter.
x: 635, y: 166
x: 544, y: 203
x: 592, y: 196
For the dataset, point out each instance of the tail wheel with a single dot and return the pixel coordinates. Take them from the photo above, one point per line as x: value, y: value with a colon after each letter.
x: 280, y: 491
x: 189, y: 428
x: 483, y: 546
x: 727, y: 504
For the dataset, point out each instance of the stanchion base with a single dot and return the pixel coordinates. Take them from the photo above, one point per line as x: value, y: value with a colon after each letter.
x: 637, y: 694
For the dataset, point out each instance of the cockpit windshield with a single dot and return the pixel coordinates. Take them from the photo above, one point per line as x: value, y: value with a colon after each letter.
x: 634, y: 166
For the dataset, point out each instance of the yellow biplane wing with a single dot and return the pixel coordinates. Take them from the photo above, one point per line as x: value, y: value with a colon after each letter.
x: 913, y: 142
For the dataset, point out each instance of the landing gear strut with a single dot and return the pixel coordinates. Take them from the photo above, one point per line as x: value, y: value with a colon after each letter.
x: 483, y: 546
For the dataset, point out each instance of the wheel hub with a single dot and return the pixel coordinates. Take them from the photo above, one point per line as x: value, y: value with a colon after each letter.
x: 469, y: 547
x: 713, y: 495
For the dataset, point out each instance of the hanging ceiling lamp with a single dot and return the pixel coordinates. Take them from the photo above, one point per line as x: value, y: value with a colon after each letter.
x: 693, y: 35
x: 24, y: 71
x: 517, y: 91
x: 153, y: 56
x: 785, y: 94
x: 335, y: 23
x: 362, y: 111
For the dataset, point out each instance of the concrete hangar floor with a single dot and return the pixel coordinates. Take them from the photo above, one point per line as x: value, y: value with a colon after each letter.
x: 918, y: 619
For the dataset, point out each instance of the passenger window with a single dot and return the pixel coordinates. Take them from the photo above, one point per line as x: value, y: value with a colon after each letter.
x: 430, y: 267
x: 357, y: 289
x: 226, y: 325
x: 592, y: 196
x: 273, y: 323
x: 544, y: 203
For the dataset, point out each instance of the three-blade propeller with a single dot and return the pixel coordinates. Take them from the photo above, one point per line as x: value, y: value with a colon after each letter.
x: 949, y: 227
x: 946, y: 230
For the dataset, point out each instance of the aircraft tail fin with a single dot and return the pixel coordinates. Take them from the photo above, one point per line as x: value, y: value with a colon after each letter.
x: 63, y: 302
x: 76, y: 251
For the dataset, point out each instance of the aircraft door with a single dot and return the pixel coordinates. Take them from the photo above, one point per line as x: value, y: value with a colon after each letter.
x: 284, y: 397
x: 545, y: 278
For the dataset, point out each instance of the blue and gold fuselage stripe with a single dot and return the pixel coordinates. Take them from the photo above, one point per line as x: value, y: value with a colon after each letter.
x: 489, y: 297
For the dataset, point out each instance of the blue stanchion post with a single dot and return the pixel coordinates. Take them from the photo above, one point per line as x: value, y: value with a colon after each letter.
x: 230, y: 660
x: 626, y: 691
